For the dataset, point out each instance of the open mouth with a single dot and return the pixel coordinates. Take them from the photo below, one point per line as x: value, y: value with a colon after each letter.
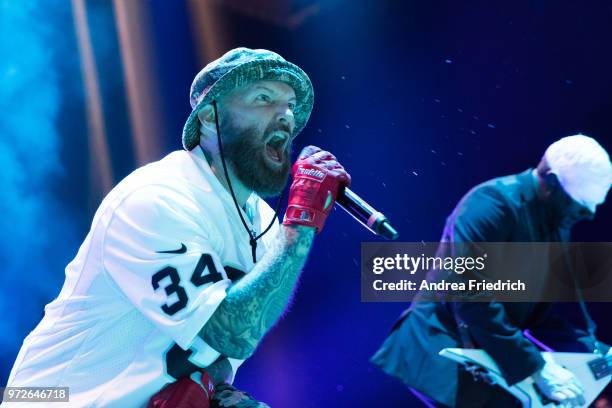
x: 275, y: 147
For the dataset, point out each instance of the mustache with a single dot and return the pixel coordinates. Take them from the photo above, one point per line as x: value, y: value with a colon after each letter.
x: 279, y: 126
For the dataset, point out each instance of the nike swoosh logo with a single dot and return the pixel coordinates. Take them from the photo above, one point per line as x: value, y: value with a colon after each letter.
x: 181, y: 250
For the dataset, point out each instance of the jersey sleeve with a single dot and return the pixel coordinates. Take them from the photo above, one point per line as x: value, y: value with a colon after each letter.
x: 158, y: 251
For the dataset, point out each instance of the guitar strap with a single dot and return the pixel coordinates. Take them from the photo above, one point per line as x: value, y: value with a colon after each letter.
x: 590, y: 324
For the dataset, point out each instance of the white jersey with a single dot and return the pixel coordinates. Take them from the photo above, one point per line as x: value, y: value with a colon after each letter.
x: 163, y: 248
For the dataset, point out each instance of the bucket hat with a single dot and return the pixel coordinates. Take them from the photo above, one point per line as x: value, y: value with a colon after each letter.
x: 237, y: 68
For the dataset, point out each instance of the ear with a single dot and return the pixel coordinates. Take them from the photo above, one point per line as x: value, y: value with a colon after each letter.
x: 551, y: 181
x: 206, y: 115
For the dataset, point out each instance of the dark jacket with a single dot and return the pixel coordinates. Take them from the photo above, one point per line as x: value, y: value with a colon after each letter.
x: 504, y: 209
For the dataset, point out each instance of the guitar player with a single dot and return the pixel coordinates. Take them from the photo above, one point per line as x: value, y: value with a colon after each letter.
x: 537, y: 205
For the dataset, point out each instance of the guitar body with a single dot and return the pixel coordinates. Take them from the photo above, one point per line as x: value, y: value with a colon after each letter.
x: 590, y: 369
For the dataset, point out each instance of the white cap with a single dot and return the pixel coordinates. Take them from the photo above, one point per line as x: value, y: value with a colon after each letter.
x: 583, y: 168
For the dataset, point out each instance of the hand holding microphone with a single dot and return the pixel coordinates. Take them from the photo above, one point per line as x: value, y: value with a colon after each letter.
x: 319, y: 181
x: 317, y: 178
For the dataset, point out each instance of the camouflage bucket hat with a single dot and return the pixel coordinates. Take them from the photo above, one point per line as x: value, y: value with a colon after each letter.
x: 239, y: 67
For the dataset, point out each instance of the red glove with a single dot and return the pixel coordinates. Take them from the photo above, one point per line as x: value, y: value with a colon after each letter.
x: 185, y: 393
x: 317, y: 176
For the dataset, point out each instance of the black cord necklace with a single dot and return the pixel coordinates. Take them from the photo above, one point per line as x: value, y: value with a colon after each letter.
x: 252, y: 237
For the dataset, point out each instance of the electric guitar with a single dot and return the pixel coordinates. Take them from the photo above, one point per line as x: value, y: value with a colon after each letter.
x: 593, y: 370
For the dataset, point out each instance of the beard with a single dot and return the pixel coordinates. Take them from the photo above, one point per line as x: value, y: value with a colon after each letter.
x: 245, y: 150
x: 564, y: 211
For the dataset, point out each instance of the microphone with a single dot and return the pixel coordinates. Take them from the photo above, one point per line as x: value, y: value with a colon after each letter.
x: 373, y: 220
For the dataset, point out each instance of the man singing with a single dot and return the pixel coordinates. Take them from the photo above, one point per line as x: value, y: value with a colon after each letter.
x: 185, y: 268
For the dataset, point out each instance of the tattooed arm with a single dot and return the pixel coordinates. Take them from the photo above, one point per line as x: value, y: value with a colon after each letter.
x: 256, y: 302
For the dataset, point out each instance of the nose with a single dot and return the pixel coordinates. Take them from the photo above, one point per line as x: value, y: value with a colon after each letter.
x: 588, y: 214
x: 285, y: 116
x: 582, y: 214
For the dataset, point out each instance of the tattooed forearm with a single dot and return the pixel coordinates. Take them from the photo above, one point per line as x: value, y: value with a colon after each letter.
x: 256, y: 302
